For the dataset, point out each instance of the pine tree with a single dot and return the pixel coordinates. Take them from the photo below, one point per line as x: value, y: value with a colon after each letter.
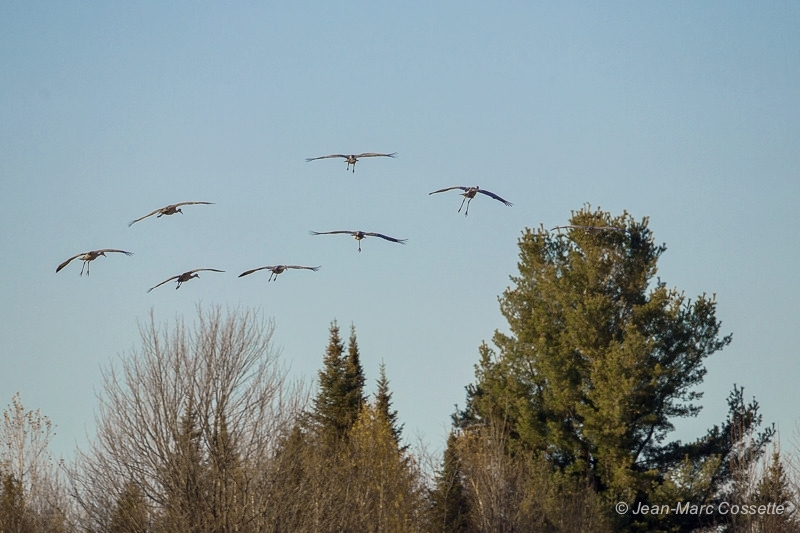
x: 383, y: 404
x: 600, y: 359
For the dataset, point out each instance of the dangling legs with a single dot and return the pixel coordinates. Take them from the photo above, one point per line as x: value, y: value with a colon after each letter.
x: 462, y: 204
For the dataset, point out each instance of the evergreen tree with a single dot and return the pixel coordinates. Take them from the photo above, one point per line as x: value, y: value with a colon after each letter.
x: 13, y: 513
x: 600, y: 359
x: 130, y: 514
x: 341, y: 387
x: 290, y: 497
x: 186, y: 507
x: 354, y: 380
x: 383, y: 404
x: 774, y: 489
x: 449, y: 503
x: 227, y: 504
x: 382, y: 495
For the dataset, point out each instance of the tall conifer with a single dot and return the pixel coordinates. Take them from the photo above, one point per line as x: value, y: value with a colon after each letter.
x: 383, y: 404
x: 341, y: 387
x: 601, y: 358
x: 449, y: 502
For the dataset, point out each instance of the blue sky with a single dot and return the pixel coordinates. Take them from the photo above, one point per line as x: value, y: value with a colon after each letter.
x: 684, y: 112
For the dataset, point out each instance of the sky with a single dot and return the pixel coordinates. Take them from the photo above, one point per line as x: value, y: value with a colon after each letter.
x: 683, y: 112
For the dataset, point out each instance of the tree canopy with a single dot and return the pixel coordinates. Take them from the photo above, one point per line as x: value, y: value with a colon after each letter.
x: 601, y: 358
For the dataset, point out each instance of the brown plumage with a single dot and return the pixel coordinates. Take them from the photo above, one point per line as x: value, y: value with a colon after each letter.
x: 186, y: 276
x: 277, y: 269
x: 351, y: 158
x: 470, y: 193
x: 359, y: 235
x: 168, y: 210
x: 88, y: 257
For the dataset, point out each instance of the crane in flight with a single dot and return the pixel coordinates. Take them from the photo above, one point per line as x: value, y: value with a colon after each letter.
x: 470, y: 193
x: 360, y: 235
x: 88, y: 257
x: 168, y: 210
x: 277, y: 269
x: 351, y: 158
x: 186, y: 276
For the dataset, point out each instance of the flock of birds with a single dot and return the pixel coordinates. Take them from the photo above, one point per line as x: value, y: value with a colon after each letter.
x: 467, y: 192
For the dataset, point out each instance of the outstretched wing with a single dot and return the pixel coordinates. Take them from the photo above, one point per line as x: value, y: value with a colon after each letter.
x: 163, y: 282
x: 304, y: 267
x: 493, y: 195
x: 309, y: 159
x: 386, y: 237
x: 449, y: 189
x: 202, y: 269
x: 132, y: 222
x: 248, y: 272
x: 375, y: 154
x: 193, y: 203
x: 104, y: 250
x: 65, y: 263
x: 331, y: 232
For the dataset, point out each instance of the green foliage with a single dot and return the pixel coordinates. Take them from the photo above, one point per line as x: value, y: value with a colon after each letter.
x: 341, y: 468
x: 385, y: 497
x: 600, y: 359
x: 774, y: 489
x: 383, y: 403
x: 341, y: 387
x: 450, y: 512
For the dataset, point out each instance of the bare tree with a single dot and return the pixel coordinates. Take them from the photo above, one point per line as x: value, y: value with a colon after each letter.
x: 510, y: 489
x: 190, y: 421
x: 33, y: 494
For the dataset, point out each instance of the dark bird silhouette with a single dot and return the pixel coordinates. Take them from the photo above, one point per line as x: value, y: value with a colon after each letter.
x: 469, y: 193
x: 186, y: 276
x: 590, y: 229
x: 352, y: 158
x: 277, y: 269
x: 168, y: 210
x: 87, y: 257
x: 359, y: 235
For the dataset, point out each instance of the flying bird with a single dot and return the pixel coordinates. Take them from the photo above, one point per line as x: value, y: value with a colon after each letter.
x: 168, y: 210
x: 590, y: 229
x: 277, y: 269
x: 469, y: 193
x: 352, y: 158
x: 87, y: 257
x: 359, y: 235
x: 186, y: 276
